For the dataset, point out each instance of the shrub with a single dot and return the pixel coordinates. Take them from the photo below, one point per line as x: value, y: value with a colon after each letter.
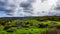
x: 42, y: 25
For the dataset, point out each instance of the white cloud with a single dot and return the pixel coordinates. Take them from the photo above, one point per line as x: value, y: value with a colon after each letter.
x: 45, y: 6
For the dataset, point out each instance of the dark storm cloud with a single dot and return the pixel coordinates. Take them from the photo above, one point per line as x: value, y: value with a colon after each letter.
x: 57, y: 8
x: 43, y: 0
x: 25, y: 4
x: 2, y: 3
x: 51, y: 14
x: 27, y: 7
x: 4, y: 7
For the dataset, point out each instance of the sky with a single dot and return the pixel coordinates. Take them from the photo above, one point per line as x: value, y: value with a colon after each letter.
x: 22, y: 8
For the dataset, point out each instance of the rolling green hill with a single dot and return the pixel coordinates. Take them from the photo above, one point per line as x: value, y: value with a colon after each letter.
x: 29, y: 25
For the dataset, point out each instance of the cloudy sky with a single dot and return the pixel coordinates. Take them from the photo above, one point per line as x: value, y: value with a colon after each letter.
x: 21, y: 8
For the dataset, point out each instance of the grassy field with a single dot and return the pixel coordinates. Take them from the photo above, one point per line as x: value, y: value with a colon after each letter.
x: 29, y: 25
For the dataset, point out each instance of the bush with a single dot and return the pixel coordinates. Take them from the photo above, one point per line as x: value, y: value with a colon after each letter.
x: 42, y: 25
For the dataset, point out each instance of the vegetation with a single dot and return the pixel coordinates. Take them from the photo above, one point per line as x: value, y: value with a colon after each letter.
x: 30, y: 25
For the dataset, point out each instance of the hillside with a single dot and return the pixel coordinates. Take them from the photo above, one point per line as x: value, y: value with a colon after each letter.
x: 29, y: 25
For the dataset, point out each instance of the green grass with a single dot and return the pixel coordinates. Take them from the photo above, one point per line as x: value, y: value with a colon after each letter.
x: 24, y: 31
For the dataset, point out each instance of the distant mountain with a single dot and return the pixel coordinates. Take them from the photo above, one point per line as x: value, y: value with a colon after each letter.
x: 13, y: 18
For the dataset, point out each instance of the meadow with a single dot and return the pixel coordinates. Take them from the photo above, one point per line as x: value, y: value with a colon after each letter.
x: 30, y: 25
